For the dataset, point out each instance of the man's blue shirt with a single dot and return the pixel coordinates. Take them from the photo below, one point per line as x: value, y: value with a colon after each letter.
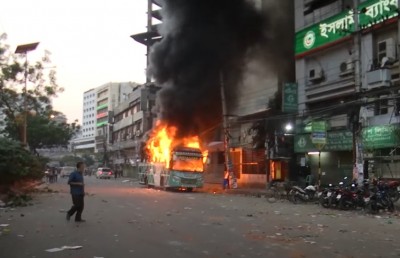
x: 76, y: 189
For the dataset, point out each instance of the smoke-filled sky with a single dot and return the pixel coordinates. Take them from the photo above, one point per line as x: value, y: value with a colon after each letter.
x: 201, y: 38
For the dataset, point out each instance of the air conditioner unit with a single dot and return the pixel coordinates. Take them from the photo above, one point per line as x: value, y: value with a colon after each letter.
x: 347, y: 68
x: 386, y: 48
x: 378, y: 78
x: 315, y: 74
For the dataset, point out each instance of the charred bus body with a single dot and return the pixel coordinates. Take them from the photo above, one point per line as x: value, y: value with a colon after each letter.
x: 185, y: 171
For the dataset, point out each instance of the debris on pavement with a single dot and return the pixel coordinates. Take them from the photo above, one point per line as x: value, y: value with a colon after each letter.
x: 125, y: 181
x: 4, y: 225
x: 58, y: 249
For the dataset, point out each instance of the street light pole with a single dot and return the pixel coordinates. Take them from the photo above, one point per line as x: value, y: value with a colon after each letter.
x: 24, y: 49
x: 228, y: 161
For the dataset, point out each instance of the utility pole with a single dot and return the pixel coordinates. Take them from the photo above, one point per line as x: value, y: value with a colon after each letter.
x: 24, y: 49
x: 356, y: 127
x: 228, y: 161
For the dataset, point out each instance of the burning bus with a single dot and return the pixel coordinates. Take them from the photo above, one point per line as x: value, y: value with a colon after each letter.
x: 173, y: 163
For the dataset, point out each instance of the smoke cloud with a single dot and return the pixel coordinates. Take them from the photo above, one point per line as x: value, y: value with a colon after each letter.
x: 201, y: 38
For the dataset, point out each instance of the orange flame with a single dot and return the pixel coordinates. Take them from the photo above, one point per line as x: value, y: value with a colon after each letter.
x: 163, y: 140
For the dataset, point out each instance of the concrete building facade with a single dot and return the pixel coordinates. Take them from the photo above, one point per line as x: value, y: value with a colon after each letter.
x: 133, y: 118
x: 108, y: 97
x: 347, y: 72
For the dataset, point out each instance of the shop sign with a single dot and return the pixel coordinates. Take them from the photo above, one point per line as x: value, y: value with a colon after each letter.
x: 335, y: 141
x: 381, y: 136
x: 289, y: 103
x: 376, y: 11
x: 318, y: 133
x: 327, y: 31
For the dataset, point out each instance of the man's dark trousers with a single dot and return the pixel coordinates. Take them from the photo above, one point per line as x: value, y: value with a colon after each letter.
x: 78, y: 205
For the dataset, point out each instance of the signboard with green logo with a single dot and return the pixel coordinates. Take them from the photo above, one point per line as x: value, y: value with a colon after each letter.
x: 381, y: 136
x: 335, y: 141
x: 375, y: 11
x: 327, y: 31
x: 289, y: 103
x: 318, y: 133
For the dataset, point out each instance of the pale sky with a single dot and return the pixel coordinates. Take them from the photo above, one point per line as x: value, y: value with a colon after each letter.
x: 89, y: 41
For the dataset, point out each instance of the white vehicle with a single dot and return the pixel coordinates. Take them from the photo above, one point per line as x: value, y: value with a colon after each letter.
x: 104, y: 173
x: 66, y: 171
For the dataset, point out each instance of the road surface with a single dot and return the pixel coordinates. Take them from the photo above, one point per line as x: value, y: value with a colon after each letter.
x: 125, y: 219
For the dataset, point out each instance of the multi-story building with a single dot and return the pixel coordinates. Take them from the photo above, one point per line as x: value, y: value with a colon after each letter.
x: 257, y: 101
x: 347, y: 72
x: 108, y: 97
x: 86, y: 139
x: 132, y: 119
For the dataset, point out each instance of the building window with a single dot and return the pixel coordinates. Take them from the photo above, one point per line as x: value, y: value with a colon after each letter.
x: 382, y: 106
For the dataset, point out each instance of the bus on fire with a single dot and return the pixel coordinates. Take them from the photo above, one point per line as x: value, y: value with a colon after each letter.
x: 184, y: 171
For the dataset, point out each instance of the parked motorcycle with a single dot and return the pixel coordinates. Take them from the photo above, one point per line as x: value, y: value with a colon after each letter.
x: 393, y: 188
x: 325, y: 195
x: 380, y: 200
x: 297, y: 194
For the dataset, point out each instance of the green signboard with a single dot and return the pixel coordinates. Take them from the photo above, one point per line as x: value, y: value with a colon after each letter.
x: 102, y: 106
x: 289, y: 103
x: 374, y: 137
x: 375, y: 11
x: 318, y: 133
x: 324, y: 32
x: 335, y: 141
x: 101, y: 123
x: 381, y: 136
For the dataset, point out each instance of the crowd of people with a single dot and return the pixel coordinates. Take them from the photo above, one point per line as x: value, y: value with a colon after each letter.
x: 51, y: 174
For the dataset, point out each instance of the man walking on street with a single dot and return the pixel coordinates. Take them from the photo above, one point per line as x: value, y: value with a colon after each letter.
x: 77, y: 186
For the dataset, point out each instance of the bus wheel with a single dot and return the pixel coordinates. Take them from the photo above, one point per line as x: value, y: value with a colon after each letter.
x: 189, y: 189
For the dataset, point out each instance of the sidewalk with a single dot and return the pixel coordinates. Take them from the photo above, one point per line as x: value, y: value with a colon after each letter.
x: 217, y: 189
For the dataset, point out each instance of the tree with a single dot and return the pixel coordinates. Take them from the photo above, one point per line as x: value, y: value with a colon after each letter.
x: 43, y: 132
x: 16, y: 163
x: 42, y: 87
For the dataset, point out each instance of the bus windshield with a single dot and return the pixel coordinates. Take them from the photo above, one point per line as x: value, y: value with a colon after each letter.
x: 192, y: 164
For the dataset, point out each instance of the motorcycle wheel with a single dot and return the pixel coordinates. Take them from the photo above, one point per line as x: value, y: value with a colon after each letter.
x: 292, y: 197
x: 394, y: 195
x: 372, y: 207
x: 324, y: 201
x: 345, y: 204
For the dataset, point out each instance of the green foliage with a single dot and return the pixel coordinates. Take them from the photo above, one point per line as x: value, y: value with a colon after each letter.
x: 17, y: 164
x: 69, y: 160
x: 41, y: 88
x: 89, y: 161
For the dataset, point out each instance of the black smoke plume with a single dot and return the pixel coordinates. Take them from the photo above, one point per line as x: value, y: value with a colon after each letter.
x: 201, y: 38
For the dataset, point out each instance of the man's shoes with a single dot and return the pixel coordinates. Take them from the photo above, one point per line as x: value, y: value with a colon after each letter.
x: 68, y: 216
x: 80, y: 220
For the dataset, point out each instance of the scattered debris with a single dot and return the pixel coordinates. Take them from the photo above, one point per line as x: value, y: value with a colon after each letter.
x: 104, y: 201
x: 310, y: 242
x: 21, y: 236
x: 58, y: 249
x: 125, y: 181
x: 4, y: 225
x: 187, y: 208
